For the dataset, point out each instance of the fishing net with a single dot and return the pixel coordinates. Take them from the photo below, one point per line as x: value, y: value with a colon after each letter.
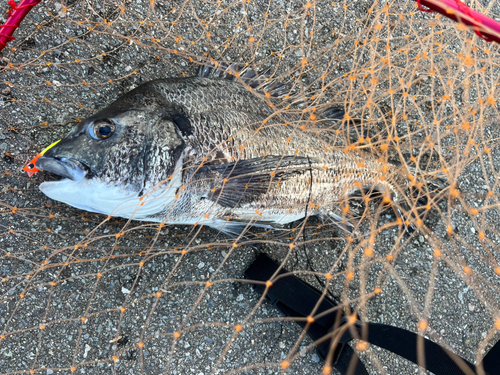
x: 83, y: 293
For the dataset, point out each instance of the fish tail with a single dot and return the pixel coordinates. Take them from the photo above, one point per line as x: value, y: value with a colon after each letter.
x: 424, y: 190
x: 428, y: 186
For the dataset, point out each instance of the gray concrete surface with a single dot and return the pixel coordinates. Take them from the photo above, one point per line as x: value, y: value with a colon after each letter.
x: 97, y: 281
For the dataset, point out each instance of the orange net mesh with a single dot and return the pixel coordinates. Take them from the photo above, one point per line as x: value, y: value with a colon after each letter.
x: 83, y: 293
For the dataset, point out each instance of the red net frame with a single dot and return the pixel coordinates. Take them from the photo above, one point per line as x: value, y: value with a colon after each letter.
x: 16, y: 16
x: 485, y: 27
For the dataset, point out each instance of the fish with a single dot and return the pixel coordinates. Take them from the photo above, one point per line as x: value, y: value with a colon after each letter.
x: 213, y: 150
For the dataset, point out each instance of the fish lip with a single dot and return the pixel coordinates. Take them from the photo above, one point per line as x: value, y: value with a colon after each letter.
x: 64, y: 167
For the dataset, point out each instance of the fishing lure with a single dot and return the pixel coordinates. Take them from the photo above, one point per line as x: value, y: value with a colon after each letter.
x: 30, y: 168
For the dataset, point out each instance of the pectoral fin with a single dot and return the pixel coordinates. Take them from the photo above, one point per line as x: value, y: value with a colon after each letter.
x: 244, y: 181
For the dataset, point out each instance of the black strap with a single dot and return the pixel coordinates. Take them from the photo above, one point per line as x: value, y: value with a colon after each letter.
x: 295, y: 298
x: 491, y: 361
x: 437, y: 359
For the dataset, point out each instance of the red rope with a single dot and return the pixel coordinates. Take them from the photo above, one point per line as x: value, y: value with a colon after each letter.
x: 13, y: 6
x: 16, y: 15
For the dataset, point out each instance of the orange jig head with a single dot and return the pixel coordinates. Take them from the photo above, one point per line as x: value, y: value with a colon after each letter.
x: 30, y: 168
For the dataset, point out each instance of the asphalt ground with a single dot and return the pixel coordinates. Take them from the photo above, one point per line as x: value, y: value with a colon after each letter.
x: 116, y: 304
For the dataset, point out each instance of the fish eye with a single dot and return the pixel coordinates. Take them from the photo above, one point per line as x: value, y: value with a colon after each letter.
x: 104, y: 128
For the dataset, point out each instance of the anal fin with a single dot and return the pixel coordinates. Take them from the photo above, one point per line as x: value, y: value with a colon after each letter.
x: 237, y: 229
x: 337, y: 220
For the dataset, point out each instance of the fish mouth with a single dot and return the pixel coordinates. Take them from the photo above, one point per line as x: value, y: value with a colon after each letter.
x: 63, y: 167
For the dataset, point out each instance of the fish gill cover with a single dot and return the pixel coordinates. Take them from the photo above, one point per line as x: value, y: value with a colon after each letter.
x: 83, y: 293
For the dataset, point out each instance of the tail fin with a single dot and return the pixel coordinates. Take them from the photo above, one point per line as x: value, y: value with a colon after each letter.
x: 429, y: 185
x: 412, y: 194
x: 423, y: 189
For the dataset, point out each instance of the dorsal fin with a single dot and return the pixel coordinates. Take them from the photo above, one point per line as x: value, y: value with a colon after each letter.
x: 256, y: 80
x: 218, y: 70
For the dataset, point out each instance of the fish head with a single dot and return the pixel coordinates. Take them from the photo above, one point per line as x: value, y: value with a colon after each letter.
x: 110, y: 159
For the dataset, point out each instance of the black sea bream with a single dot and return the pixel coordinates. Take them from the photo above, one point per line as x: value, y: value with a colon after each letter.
x: 209, y: 150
